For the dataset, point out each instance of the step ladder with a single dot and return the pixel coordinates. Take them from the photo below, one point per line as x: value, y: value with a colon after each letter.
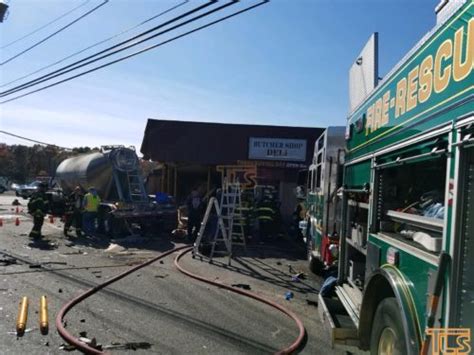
x: 220, y: 235
x: 231, y: 202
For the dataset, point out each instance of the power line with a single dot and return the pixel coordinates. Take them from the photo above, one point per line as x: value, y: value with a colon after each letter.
x: 97, y: 43
x: 32, y: 140
x: 52, y: 74
x: 54, y: 33
x: 140, y: 51
x: 44, y: 26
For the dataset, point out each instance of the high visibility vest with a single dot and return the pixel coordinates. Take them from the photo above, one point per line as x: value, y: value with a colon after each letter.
x: 91, y: 203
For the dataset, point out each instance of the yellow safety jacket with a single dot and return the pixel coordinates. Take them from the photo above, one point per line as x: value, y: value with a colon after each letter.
x: 91, y: 202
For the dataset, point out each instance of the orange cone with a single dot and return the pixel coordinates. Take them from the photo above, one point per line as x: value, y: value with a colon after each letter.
x: 17, y: 221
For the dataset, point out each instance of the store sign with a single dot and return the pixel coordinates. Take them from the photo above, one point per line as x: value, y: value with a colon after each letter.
x: 277, y: 149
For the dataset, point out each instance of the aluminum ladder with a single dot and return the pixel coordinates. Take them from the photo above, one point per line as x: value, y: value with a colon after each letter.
x: 136, y: 188
x: 231, y: 203
x: 220, y: 235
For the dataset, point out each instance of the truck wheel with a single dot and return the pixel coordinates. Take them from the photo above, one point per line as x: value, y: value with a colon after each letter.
x: 387, y: 337
x: 315, y: 264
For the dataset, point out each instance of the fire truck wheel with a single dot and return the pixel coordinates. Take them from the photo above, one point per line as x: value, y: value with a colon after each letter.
x: 388, y: 337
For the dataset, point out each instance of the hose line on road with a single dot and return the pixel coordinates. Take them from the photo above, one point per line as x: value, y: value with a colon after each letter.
x: 72, y: 340
x: 68, y: 306
x: 288, y: 350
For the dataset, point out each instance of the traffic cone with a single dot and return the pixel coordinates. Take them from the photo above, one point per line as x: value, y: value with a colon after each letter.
x: 17, y: 221
x: 17, y: 210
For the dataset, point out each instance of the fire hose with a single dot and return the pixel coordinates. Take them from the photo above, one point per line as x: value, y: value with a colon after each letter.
x: 72, y: 340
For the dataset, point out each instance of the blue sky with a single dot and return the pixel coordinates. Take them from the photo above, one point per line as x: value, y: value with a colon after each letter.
x: 285, y: 63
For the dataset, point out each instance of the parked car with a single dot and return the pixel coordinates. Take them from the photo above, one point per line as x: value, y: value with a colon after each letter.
x: 27, y: 190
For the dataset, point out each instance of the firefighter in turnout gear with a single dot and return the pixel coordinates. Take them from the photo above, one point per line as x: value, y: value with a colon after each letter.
x: 38, y: 207
x: 74, y: 211
x: 266, y: 216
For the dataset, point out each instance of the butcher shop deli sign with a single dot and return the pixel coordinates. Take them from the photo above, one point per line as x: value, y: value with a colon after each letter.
x: 277, y: 149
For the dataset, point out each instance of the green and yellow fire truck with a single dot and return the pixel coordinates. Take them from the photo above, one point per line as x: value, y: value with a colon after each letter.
x: 323, y: 204
x: 406, y: 243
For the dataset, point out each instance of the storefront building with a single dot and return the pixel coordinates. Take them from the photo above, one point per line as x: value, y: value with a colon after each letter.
x: 194, y: 154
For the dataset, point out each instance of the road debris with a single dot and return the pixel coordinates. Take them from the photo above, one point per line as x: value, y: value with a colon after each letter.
x: 7, y: 261
x: 39, y: 265
x: 298, y: 277
x: 28, y: 330
x: 244, y: 286
x: 67, y: 347
x: 128, y: 346
x: 78, y: 252
x: 114, y: 248
x: 289, y: 295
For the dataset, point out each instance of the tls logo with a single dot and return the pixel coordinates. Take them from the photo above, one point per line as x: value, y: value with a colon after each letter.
x: 450, y: 341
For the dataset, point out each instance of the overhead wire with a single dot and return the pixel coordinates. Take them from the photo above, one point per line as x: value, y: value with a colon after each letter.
x: 31, y: 140
x: 153, y: 29
x: 54, y: 33
x: 142, y: 50
x: 44, y: 26
x: 97, y: 43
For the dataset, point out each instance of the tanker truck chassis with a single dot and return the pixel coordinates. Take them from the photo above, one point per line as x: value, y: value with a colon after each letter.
x: 114, y: 172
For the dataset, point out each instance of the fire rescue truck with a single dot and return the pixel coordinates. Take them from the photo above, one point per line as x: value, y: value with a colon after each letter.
x: 406, y: 241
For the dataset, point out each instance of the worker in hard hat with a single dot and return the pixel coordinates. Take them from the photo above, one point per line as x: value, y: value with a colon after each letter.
x: 38, y: 207
x: 74, y: 208
x: 90, y: 204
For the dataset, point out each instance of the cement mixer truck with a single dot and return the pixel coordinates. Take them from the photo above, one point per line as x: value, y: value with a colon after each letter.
x: 114, y: 172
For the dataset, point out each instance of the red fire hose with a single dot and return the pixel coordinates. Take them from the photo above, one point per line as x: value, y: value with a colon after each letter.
x: 68, y: 306
x: 90, y: 350
x: 288, y: 350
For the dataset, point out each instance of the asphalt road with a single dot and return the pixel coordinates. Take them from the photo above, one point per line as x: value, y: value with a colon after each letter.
x: 160, y: 309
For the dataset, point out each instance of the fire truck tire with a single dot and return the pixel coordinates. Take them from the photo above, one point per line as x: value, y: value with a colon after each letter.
x: 387, y: 336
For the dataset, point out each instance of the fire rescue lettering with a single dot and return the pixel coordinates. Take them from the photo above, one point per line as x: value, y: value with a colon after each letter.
x: 454, y: 60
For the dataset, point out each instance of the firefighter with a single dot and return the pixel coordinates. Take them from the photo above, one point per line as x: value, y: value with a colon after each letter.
x: 38, y: 207
x: 91, y: 203
x: 299, y: 215
x: 74, y: 211
x: 195, y: 205
x: 266, y: 217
